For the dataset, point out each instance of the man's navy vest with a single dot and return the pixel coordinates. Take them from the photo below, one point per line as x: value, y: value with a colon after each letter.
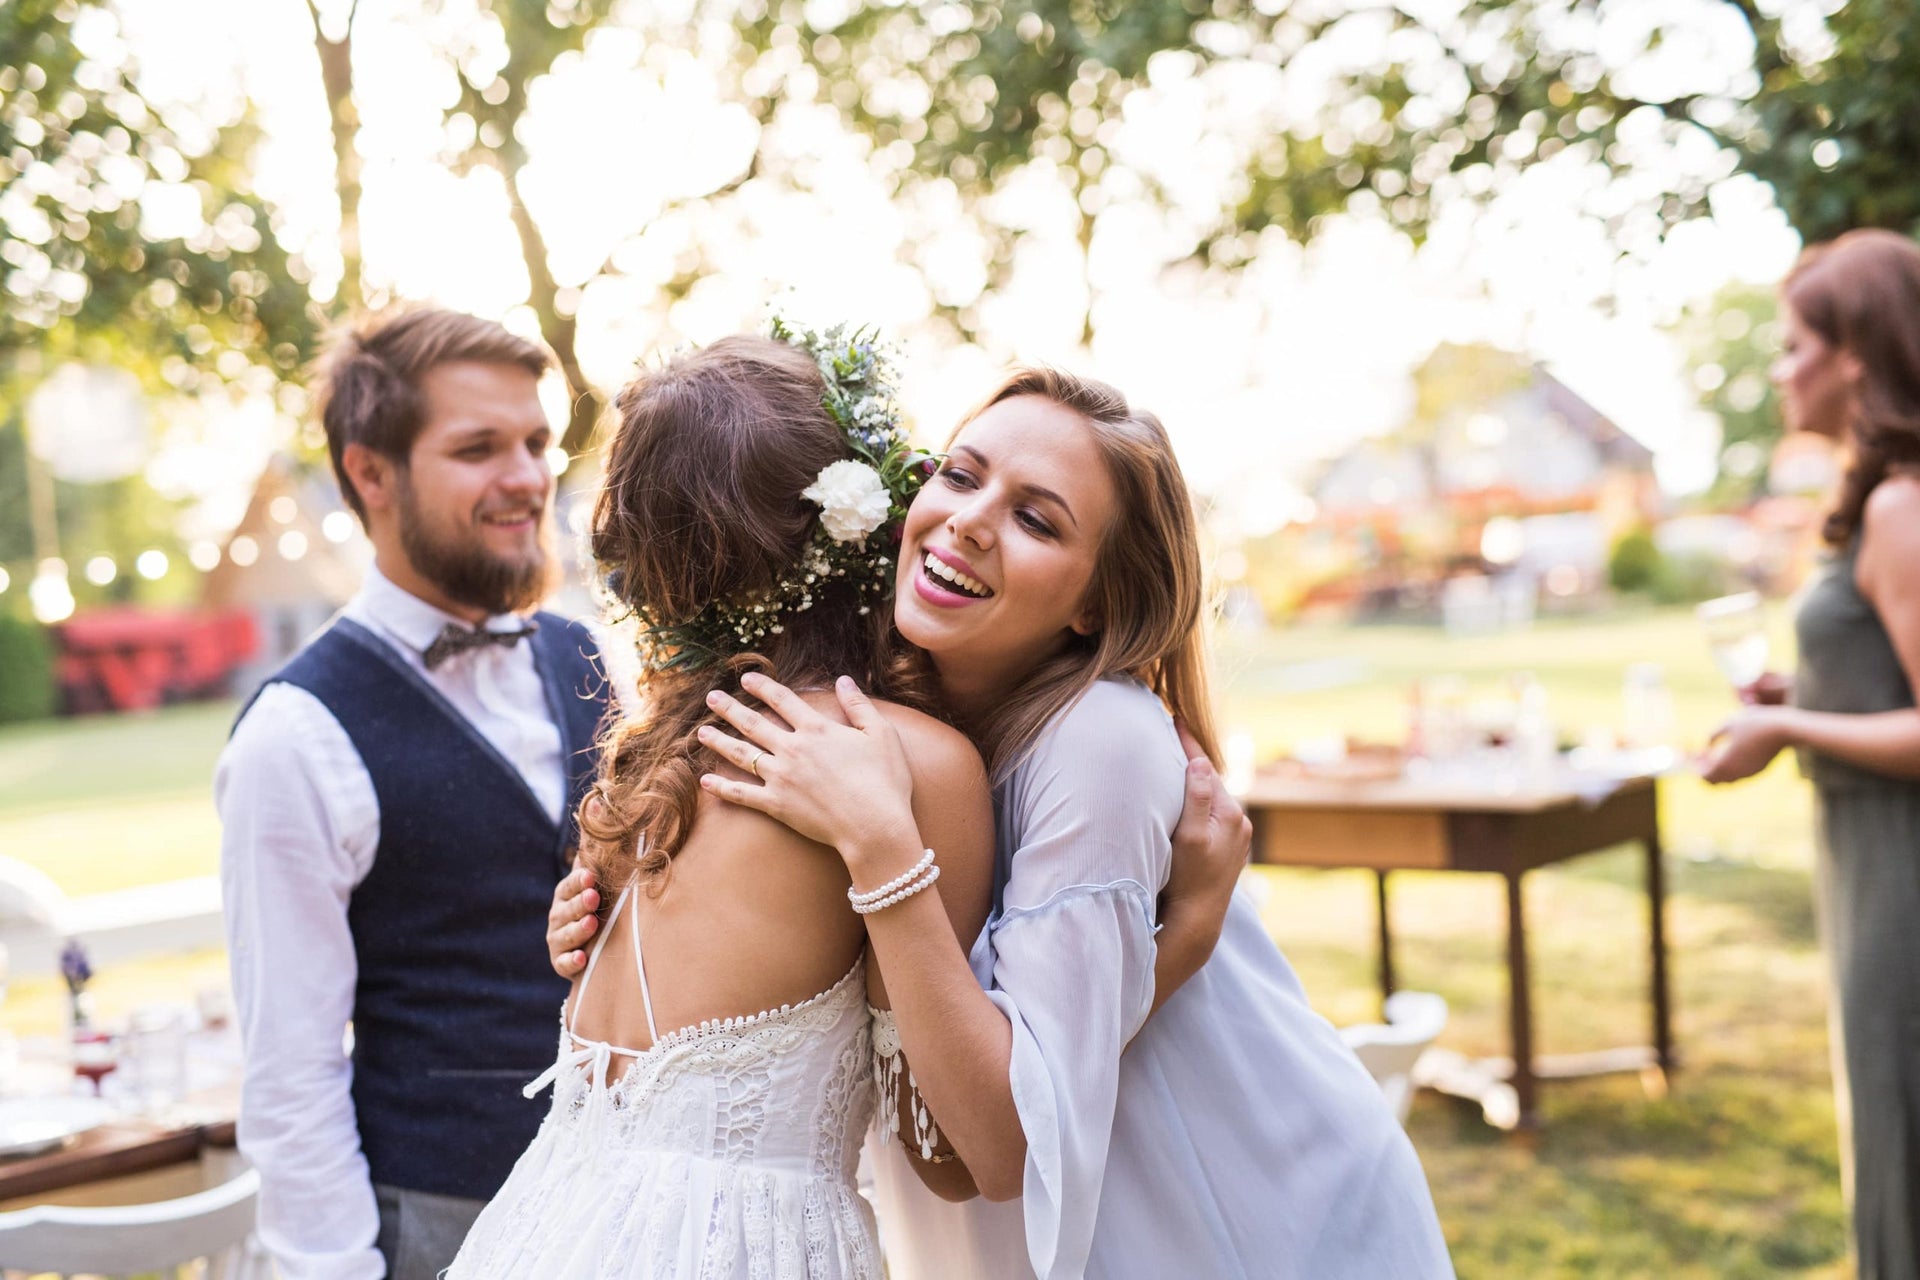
x: 456, y: 1005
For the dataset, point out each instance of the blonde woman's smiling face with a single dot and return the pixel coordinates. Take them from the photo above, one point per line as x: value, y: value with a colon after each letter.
x: 1000, y: 546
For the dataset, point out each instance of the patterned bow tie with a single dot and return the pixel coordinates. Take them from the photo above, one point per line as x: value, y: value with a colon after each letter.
x: 454, y: 638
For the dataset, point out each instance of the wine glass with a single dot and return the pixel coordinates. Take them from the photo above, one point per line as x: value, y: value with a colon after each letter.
x: 95, y: 1056
x: 1736, y: 631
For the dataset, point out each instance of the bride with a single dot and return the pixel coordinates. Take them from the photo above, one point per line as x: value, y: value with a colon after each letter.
x: 715, y: 1075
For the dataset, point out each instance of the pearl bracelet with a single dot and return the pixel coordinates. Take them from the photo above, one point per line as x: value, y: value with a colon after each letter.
x: 898, y: 882
x: 899, y: 895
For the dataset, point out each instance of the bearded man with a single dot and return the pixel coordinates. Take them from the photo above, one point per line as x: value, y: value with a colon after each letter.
x: 396, y: 806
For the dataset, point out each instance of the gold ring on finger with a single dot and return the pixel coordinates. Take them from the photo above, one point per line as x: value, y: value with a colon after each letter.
x: 753, y: 765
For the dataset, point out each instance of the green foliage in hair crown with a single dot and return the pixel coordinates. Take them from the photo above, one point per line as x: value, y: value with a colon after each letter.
x: 862, y: 499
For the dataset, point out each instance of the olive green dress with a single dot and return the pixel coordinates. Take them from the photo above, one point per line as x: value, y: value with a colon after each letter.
x: 1867, y: 882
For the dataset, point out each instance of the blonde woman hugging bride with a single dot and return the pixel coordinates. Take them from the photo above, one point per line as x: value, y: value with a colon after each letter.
x: 1088, y: 1026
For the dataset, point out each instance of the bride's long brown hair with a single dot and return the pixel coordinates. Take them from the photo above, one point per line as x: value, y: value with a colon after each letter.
x: 1861, y: 293
x: 702, y: 503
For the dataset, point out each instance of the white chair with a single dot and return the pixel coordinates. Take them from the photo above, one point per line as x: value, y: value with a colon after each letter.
x: 32, y: 917
x: 1415, y: 1020
x: 213, y: 1226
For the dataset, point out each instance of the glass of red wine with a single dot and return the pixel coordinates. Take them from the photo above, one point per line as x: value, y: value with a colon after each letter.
x: 96, y: 1056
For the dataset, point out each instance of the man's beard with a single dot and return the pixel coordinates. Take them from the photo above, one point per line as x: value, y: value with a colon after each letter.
x: 466, y: 571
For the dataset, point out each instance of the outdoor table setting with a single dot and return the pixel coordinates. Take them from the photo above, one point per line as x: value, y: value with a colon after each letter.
x: 108, y: 1099
x: 1483, y: 789
x: 1486, y: 785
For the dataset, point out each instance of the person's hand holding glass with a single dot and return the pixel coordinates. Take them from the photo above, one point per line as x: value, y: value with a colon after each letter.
x: 1746, y: 744
x: 1736, y: 628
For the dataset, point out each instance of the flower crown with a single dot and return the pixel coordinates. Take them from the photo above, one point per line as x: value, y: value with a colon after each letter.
x: 857, y: 497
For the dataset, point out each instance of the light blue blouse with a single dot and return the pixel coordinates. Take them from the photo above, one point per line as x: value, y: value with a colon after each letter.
x: 1233, y: 1135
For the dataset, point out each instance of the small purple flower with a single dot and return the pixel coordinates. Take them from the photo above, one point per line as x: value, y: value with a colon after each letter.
x: 74, y: 966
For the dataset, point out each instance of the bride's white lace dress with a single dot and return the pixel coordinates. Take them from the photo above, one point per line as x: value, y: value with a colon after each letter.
x: 727, y: 1149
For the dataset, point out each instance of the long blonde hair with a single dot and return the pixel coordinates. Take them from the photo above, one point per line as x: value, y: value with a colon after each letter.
x: 1147, y: 593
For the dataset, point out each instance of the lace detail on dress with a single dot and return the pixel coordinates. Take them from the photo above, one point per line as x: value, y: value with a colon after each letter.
x: 725, y: 1150
x: 888, y: 1063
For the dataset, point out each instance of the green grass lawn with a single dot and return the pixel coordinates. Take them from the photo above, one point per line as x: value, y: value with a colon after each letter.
x: 1734, y: 1174
x: 108, y: 802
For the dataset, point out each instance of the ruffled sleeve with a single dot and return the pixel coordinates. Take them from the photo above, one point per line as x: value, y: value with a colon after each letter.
x: 1089, y: 816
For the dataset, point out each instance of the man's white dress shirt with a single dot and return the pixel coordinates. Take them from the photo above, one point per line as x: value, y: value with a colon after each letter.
x: 299, y: 827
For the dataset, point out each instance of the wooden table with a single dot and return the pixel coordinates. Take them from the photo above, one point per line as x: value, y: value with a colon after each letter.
x: 198, y: 1128
x: 113, y: 1150
x: 1411, y: 824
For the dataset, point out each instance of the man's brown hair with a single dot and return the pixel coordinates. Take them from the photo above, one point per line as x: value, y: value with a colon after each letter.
x: 369, y: 379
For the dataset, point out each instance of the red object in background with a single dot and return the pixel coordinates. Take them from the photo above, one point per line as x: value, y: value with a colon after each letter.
x: 95, y: 1056
x: 129, y: 659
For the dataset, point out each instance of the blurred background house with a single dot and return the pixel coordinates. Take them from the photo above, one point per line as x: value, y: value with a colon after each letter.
x: 1502, y: 485
x: 296, y: 556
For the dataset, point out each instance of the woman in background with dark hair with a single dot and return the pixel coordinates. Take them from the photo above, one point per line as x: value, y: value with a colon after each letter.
x: 1849, y: 369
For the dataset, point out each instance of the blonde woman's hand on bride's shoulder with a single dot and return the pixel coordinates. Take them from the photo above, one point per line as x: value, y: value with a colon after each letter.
x: 849, y: 786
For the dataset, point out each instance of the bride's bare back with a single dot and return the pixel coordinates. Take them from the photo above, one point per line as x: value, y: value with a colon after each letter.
x: 753, y: 916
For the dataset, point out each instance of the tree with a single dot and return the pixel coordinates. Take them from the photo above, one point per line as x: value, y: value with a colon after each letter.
x: 86, y: 165
x: 1835, y: 126
x: 1413, y: 109
x: 482, y: 125
x: 130, y: 236
x: 499, y: 51
x: 1825, y: 109
x: 1730, y: 343
x: 966, y: 98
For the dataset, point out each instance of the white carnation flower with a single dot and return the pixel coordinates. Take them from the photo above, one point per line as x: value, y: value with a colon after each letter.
x: 853, y: 500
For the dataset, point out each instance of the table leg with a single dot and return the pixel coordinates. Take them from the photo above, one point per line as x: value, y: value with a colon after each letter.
x: 1386, y: 940
x: 1657, y: 932
x: 1520, y: 1007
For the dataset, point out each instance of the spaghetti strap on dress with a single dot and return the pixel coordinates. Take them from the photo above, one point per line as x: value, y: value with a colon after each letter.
x: 726, y: 1149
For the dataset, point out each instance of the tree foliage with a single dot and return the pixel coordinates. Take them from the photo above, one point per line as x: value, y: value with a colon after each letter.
x: 127, y: 223
x: 1324, y: 107
x: 1825, y: 108
x: 1308, y: 110
x: 1835, y: 127
x: 496, y: 53
x: 130, y: 235
x: 1730, y: 344
x: 1312, y: 109
x: 970, y: 96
